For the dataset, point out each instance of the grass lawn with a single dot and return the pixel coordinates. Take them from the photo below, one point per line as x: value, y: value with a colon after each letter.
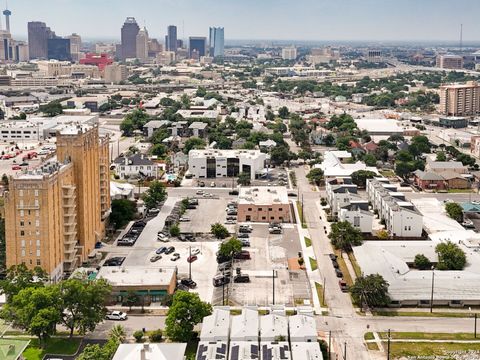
x: 372, y: 346
x: 398, y: 350
x: 460, y: 190
x: 299, y: 207
x: 313, y: 264
x: 3, y: 327
x: 191, y: 350
x: 308, y: 241
x: 368, y: 336
x: 343, y: 268
x: 60, y: 346
x: 387, y: 173
x: 320, y: 294
x: 428, y: 336
x: 356, y: 267
x: 421, y: 314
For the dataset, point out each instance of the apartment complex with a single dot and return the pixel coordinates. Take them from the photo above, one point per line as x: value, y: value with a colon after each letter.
x: 460, y: 99
x: 449, y: 62
x: 401, y: 217
x: 55, y: 213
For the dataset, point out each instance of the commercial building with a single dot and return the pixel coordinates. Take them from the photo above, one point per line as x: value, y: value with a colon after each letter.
x: 263, y: 204
x: 115, y: 73
x: 216, y: 42
x: 75, y: 46
x: 400, y: 216
x: 475, y: 145
x: 375, y: 56
x: 166, y: 57
x: 38, y: 35
x: 101, y: 61
x: 129, y: 34
x: 86, y: 102
x: 142, y: 45
x: 171, y: 39
x: 454, y: 62
x: 443, y: 166
x: 335, y: 166
x: 289, y: 53
x: 460, y: 99
x: 59, y: 49
x: 197, y: 46
x: 225, y: 163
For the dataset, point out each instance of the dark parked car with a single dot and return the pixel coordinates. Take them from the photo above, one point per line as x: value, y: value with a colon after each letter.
x: 192, y: 258
x: 220, y: 280
x: 335, y: 264
x: 161, y: 250
x: 114, y: 261
x: 242, y: 278
x: 243, y: 236
x: 169, y: 250
x: 333, y: 256
x: 233, y: 192
x: 339, y: 273
x: 343, y: 285
x: 189, y: 282
x: 243, y: 255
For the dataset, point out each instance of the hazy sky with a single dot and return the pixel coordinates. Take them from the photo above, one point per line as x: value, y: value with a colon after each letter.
x: 259, y: 19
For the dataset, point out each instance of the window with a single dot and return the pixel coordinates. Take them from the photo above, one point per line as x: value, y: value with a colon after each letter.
x: 39, y: 262
x: 20, y: 193
x: 23, y: 252
x: 249, y: 209
x: 22, y: 233
x: 36, y: 192
x: 280, y: 209
x: 23, y: 243
x: 38, y: 243
x: 38, y: 252
x: 22, y: 223
x: 263, y: 218
x: 36, y: 202
x: 22, y: 213
x: 259, y: 209
x: 270, y: 209
x: 37, y: 223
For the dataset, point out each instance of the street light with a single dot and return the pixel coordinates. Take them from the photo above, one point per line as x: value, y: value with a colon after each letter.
x: 433, y: 284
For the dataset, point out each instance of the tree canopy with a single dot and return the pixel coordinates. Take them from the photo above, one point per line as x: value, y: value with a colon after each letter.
x: 219, y: 231
x: 315, y: 176
x: 450, y: 256
x: 454, y: 210
x: 360, y: 177
x: 154, y: 195
x: 371, y: 290
x: 123, y: 211
x: 343, y: 236
x: 230, y: 247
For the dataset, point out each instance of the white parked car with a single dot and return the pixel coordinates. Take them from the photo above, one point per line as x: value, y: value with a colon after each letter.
x: 162, y: 237
x: 117, y: 315
x: 195, y: 251
x: 184, y: 219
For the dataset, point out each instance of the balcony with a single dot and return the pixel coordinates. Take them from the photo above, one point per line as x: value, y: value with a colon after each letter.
x: 28, y: 207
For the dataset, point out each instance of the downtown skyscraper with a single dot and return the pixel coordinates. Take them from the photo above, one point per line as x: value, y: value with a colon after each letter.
x: 129, y: 34
x: 171, y: 39
x: 216, y: 42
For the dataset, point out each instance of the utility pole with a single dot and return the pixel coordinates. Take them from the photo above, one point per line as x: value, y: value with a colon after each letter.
x: 303, y: 218
x: 273, y: 283
x: 329, y: 344
x: 223, y: 287
x: 345, y: 350
x: 475, y: 327
x: 323, y: 293
x: 388, y: 345
x: 433, y: 284
x: 190, y: 263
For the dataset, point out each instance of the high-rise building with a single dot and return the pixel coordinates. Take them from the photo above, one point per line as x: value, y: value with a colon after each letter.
x: 142, y: 45
x: 115, y: 73
x: 129, y: 34
x: 216, y: 42
x: 54, y: 214
x: 289, y: 53
x: 75, y: 46
x: 449, y: 61
x: 171, y: 38
x: 460, y: 99
x: 59, y: 49
x: 7, y: 14
x: 197, y: 47
x: 154, y: 48
x: 38, y: 35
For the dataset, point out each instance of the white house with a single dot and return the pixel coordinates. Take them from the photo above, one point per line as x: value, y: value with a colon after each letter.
x: 212, y: 163
x: 245, y: 327
x: 360, y: 219
x: 146, y: 351
x: 335, y: 165
x: 302, y: 328
x: 216, y: 327
x: 273, y: 327
x: 136, y: 165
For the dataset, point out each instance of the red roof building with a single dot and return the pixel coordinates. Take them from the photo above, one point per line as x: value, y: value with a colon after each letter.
x: 101, y: 60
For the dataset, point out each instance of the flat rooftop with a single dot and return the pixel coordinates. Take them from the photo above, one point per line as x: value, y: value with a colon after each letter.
x: 263, y: 195
x: 136, y: 275
x: 251, y: 154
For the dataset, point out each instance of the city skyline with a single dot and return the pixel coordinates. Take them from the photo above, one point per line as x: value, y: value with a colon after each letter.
x: 347, y: 20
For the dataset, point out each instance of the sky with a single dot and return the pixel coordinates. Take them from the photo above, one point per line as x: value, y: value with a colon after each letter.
x: 313, y: 20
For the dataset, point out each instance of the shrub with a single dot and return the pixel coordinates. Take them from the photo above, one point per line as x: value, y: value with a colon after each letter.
x: 138, y: 335
x: 155, y: 335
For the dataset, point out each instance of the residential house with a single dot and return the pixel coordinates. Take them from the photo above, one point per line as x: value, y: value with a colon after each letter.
x: 428, y: 180
x: 136, y: 165
x: 147, y: 351
x: 154, y: 125
x: 214, y: 335
x: 441, y: 166
x: 358, y: 216
x: 198, y: 129
x: 335, y: 165
x: 302, y: 328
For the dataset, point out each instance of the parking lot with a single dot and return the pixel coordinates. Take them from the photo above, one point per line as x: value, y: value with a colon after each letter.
x: 268, y: 253
x: 209, y: 211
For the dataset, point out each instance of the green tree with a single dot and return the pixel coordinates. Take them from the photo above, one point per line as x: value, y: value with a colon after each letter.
x: 454, y: 210
x: 155, y: 336
x: 219, y: 231
x: 154, y: 195
x: 174, y: 230
x: 201, y: 92
x: 230, y: 247
x: 134, y: 120
x: 37, y: 310
x: 117, y: 333
x: 53, y: 108
x: 243, y: 179
x: 371, y: 290
x: 95, y: 352
x: 370, y: 160
x: 283, y: 112
x: 343, y: 236
x: 123, y: 211
x: 83, y: 303
x: 5, y: 180
x: 450, y: 256
x: 158, y: 150
x: 421, y: 262
x: 441, y: 156
x: 138, y: 335
x: 19, y: 277
x: 131, y: 299
x: 194, y: 143
x: 360, y: 177
x: 186, y: 311
x: 279, y: 154
x: 315, y: 176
